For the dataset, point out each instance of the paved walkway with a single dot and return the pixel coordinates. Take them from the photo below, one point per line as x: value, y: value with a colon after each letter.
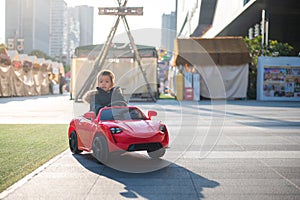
x: 48, y: 109
x: 250, y: 151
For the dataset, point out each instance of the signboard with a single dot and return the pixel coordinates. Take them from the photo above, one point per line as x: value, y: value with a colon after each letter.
x: 20, y: 44
x: 188, y: 79
x: 55, y: 70
x: 278, y: 78
x: 10, y: 43
x: 15, y: 44
x: 120, y: 11
x: 196, y: 86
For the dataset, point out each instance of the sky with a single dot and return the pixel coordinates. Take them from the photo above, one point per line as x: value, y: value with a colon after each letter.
x: 149, y: 23
x: 2, y: 21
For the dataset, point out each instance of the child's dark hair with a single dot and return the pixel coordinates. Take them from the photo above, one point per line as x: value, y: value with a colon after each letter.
x: 107, y: 72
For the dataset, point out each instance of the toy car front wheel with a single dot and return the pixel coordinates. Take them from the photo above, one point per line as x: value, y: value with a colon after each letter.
x: 73, y: 143
x: 158, y: 153
x: 100, y: 149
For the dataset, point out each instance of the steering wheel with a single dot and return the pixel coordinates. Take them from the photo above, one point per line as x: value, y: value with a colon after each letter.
x: 117, y: 103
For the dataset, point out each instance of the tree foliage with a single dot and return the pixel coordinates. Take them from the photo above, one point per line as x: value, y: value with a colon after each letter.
x: 2, y: 45
x: 284, y: 49
x: 275, y: 48
x: 40, y: 54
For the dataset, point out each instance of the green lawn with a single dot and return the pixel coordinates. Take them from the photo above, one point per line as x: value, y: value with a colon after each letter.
x: 25, y: 147
x: 166, y: 96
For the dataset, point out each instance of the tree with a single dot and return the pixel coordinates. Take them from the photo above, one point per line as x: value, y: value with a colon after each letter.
x: 275, y: 48
x: 40, y: 54
x: 284, y: 49
x: 2, y: 45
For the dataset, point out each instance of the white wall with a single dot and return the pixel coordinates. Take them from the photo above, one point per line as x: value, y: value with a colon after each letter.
x: 192, y: 9
x: 226, y: 11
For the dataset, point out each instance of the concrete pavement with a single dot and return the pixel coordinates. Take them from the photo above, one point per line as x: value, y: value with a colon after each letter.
x: 48, y: 109
x: 241, y: 150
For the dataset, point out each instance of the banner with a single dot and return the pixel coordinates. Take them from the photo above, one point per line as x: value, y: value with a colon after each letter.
x: 279, y: 81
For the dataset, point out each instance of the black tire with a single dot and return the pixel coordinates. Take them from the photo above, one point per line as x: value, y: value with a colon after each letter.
x: 73, y: 143
x: 157, y: 154
x: 100, y: 149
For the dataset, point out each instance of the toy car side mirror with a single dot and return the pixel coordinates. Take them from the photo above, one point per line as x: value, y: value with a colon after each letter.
x: 152, y: 113
x: 89, y: 115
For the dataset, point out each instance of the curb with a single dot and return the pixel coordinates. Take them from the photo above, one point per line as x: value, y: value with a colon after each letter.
x: 28, y: 177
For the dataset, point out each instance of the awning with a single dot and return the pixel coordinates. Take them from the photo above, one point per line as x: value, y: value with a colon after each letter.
x: 208, y: 52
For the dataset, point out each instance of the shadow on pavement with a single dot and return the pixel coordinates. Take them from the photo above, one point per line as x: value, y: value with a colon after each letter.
x: 170, y: 182
x: 254, y: 119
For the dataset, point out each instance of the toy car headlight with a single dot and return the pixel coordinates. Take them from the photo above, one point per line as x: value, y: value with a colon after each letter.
x: 163, y: 128
x: 115, y: 130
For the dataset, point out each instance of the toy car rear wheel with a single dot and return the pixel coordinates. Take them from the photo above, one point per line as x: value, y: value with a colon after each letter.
x: 73, y: 143
x: 158, y: 153
x: 100, y: 149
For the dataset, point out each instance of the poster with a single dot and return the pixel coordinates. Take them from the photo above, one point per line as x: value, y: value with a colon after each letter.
x: 279, y: 79
x: 188, y: 79
x: 274, y: 81
x: 293, y: 82
x: 196, y: 86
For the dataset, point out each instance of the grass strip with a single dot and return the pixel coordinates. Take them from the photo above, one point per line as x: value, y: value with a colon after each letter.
x: 25, y: 147
x: 166, y: 96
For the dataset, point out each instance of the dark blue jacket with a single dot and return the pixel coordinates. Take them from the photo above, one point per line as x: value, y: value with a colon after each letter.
x: 102, y: 98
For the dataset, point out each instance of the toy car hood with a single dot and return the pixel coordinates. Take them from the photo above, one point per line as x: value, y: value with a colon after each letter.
x: 138, y: 127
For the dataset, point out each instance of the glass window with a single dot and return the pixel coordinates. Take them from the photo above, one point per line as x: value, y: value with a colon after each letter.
x: 246, y: 1
x: 122, y: 114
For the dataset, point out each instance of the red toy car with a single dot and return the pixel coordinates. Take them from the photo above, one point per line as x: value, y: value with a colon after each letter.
x: 118, y: 128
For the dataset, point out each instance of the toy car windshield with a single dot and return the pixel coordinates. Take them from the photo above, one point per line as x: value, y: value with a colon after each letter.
x: 121, y: 114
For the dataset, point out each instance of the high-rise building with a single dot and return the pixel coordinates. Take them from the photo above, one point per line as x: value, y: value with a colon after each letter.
x: 39, y: 23
x: 85, y: 16
x: 28, y: 21
x: 58, y: 28
x: 73, y: 35
x: 168, y: 32
x: 80, y: 27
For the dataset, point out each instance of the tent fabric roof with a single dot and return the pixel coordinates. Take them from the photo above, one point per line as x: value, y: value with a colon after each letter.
x: 208, y: 52
x: 14, y: 55
x: 117, y: 50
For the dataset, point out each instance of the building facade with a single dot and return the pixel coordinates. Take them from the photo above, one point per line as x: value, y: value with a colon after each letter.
x: 27, y: 25
x: 212, y: 18
x: 49, y: 26
x: 80, y: 27
x: 73, y: 33
x: 85, y: 16
x: 168, y: 31
x: 58, y: 29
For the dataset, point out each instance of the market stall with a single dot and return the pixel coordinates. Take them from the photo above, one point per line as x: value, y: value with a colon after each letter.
x: 222, y: 63
x: 120, y: 59
x: 23, y: 75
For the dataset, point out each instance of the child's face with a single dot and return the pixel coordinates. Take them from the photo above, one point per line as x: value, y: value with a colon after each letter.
x: 105, y: 83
